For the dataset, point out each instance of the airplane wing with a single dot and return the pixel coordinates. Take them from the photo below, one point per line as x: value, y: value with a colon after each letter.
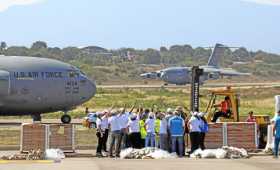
x: 224, y: 72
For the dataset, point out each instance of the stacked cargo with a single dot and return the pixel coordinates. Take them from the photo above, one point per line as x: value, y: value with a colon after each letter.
x: 33, y: 137
x: 42, y: 136
x: 61, y: 136
x: 241, y: 135
x: 214, y: 138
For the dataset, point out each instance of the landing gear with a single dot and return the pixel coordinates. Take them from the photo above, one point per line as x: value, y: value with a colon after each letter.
x: 36, y: 117
x: 65, y: 119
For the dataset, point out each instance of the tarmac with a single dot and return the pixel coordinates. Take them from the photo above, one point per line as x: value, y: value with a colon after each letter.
x: 254, y: 163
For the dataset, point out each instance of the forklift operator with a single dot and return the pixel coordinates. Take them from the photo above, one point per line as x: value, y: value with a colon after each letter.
x: 225, y: 110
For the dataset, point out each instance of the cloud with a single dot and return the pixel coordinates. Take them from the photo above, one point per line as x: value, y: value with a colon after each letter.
x: 264, y: 2
x: 6, y: 4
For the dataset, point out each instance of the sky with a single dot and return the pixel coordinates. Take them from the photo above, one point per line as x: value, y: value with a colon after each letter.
x: 254, y: 24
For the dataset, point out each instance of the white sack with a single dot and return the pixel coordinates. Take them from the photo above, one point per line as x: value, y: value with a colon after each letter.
x: 221, y: 154
x: 54, y: 154
x: 208, y: 153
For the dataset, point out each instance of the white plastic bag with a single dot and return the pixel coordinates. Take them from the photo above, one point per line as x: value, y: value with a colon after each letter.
x: 54, y: 154
x: 221, y: 154
x: 196, y: 154
x: 161, y: 154
x: 208, y: 153
x: 126, y: 153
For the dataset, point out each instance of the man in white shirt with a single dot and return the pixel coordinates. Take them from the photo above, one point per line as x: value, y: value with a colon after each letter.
x: 163, y: 137
x: 105, y: 119
x: 194, y: 125
x: 134, y: 131
x: 150, y: 128
x: 100, y: 133
x: 123, y: 120
x: 115, y: 134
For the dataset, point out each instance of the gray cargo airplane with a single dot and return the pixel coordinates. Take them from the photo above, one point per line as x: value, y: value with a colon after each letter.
x: 33, y: 86
x: 182, y: 75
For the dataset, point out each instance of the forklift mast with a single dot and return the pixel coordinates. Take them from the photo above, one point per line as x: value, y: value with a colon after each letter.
x: 196, y: 73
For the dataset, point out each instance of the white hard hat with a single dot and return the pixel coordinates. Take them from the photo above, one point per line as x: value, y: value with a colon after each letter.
x: 151, y: 114
x: 201, y: 114
x: 169, y: 110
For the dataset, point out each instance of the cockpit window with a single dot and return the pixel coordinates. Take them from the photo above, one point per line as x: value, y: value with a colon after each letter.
x: 82, y: 73
x: 73, y: 74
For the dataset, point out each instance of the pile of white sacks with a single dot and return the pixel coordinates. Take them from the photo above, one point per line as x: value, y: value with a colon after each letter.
x: 155, y: 153
x: 225, y: 152
x: 146, y: 153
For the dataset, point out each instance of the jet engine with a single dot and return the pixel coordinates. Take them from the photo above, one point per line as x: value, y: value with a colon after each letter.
x: 213, y: 76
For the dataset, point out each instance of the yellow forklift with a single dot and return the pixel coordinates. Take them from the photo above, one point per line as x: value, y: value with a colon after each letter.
x: 218, y: 95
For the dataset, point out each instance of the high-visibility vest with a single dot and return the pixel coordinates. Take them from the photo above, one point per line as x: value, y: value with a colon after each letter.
x: 157, y: 126
x: 143, y: 131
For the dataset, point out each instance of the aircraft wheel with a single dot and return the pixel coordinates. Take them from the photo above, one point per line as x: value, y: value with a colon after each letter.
x: 36, y: 117
x: 66, y: 119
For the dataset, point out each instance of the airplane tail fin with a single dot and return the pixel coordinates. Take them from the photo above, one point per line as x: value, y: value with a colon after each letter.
x: 214, y: 59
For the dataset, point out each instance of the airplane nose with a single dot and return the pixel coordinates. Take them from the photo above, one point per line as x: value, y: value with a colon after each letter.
x: 87, y: 89
x: 91, y: 89
x: 143, y: 75
x: 162, y: 75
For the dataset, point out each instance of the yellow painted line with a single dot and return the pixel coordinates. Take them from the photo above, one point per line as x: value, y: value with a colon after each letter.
x: 26, y: 161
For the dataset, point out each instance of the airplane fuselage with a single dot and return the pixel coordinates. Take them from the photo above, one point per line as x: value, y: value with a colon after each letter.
x: 30, y: 85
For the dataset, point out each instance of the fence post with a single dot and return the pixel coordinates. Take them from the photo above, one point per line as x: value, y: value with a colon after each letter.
x: 225, y: 141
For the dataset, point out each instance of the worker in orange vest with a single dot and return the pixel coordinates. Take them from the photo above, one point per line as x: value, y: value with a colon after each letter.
x: 225, y: 109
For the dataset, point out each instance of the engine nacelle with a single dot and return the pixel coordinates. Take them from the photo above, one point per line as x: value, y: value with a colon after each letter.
x: 213, y: 76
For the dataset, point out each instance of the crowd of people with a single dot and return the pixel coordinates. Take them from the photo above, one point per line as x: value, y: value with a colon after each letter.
x: 120, y: 129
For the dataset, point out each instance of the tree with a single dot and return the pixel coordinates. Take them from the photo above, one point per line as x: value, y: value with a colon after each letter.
x: 17, y: 51
x: 70, y: 53
x: 3, y: 46
x: 39, y: 45
x: 163, y: 49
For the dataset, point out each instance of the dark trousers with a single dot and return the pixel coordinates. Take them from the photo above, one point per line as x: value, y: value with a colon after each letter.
x: 101, y: 141
x: 276, y: 146
x: 195, y: 141
x: 143, y: 143
x: 105, y: 140
x: 135, y: 140
x: 217, y: 115
x: 202, y: 138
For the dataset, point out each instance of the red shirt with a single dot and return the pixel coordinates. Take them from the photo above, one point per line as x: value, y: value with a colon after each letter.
x: 225, y: 106
x: 251, y: 119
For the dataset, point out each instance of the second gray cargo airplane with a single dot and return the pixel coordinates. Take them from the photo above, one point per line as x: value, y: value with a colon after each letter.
x: 182, y: 75
x: 32, y: 86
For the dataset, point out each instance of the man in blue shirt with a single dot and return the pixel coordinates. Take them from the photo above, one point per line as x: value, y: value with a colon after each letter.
x: 176, y: 127
x: 276, y: 134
